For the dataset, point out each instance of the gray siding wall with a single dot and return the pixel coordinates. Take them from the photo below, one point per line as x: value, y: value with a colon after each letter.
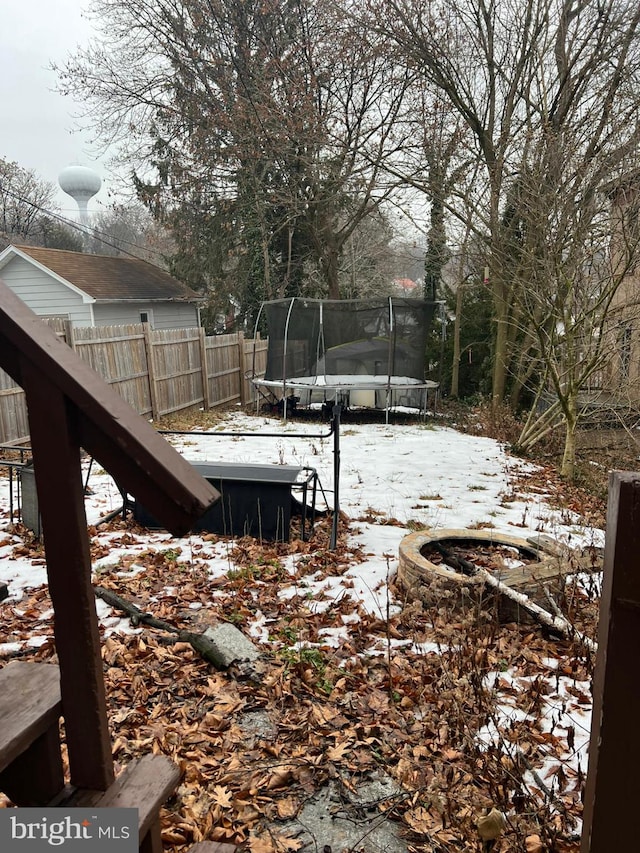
x: 43, y: 294
x: 163, y: 315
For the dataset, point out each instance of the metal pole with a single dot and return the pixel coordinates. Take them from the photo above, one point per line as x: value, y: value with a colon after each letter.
x: 336, y: 476
x: 255, y: 338
x: 390, y: 360
x: 284, y: 359
x: 245, y: 433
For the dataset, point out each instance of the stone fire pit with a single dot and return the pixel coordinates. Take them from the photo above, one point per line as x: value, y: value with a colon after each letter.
x: 525, y: 565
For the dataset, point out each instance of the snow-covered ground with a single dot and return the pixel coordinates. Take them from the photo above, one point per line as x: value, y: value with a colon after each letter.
x: 415, y: 474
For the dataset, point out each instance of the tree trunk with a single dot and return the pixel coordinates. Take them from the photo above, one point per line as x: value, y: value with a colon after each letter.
x: 500, y: 359
x: 571, y: 423
x: 437, y: 240
x: 330, y: 265
x: 455, y: 364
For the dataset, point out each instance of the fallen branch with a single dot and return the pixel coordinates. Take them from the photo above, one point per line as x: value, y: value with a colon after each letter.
x: 458, y: 563
x: 555, y: 623
x: 22, y: 652
x: 553, y: 604
x: 202, y: 644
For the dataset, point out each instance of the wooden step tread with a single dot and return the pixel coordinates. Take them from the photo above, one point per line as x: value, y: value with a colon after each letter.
x: 30, y: 704
x: 145, y: 784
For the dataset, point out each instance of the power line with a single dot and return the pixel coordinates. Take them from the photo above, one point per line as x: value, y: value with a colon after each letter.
x: 100, y: 236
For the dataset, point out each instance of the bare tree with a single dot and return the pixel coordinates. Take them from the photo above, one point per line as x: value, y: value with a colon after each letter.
x: 368, y: 261
x: 580, y: 142
x: 129, y: 229
x: 569, y: 308
x: 258, y: 132
x: 24, y: 199
x: 545, y: 83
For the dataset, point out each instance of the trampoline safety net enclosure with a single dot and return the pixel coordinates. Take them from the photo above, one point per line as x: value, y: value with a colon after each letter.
x: 362, y: 352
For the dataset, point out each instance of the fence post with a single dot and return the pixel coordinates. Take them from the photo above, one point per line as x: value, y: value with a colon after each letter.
x: 69, y: 335
x: 242, y: 367
x: 613, y: 784
x: 205, y: 370
x: 148, y: 346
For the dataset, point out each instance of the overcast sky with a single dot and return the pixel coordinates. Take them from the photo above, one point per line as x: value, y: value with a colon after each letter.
x: 37, y: 126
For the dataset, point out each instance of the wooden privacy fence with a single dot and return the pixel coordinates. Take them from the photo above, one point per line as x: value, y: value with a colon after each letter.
x: 157, y: 371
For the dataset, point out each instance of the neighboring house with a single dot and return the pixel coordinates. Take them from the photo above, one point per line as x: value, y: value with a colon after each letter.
x: 97, y: 290
x: 621, y: 377
x: 406, y: 287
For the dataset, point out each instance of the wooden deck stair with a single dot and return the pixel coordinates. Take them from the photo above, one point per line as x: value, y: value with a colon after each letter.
x: 31, y: 772
x: 145, y: 784
x: 30, y: 710
x: 70, y: 407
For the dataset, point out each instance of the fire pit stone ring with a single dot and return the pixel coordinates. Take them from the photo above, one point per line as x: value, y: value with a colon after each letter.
x: 545, y: 560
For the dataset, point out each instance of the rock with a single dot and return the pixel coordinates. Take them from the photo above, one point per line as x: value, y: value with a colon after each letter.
x: 341, y: 820
x: 231, y: 644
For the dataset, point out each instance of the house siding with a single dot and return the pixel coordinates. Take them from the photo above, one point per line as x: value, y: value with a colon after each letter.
x: 43, y: 294
x: 169, y: 315
x: 623, y: 367
x: 621, y: 375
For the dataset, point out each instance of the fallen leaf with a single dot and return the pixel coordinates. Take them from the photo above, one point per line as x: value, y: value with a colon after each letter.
x: 261, y: 844
x: 533, y: 844
x: 419, y: 820
x: 491, y: 826
x: 285, y: 842
x: 222, y: 796
x: 335, y: 753
x: 287, y: 808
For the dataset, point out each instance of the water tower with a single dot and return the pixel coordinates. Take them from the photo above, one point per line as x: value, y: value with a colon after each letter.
x: 81, y: 183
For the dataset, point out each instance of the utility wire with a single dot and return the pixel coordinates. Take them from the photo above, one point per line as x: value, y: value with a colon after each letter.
x: 100, y: 236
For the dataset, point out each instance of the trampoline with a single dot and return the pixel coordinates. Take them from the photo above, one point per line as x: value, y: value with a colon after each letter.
x: 357, y: 352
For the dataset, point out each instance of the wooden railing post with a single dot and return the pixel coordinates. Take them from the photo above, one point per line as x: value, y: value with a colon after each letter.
x: 613, y: 783
x: 56, y: 458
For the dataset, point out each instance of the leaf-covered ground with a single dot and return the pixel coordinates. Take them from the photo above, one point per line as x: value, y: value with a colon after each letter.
x: 464, y: 713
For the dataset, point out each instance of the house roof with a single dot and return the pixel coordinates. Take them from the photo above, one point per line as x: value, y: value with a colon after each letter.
x: 108, y: 279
